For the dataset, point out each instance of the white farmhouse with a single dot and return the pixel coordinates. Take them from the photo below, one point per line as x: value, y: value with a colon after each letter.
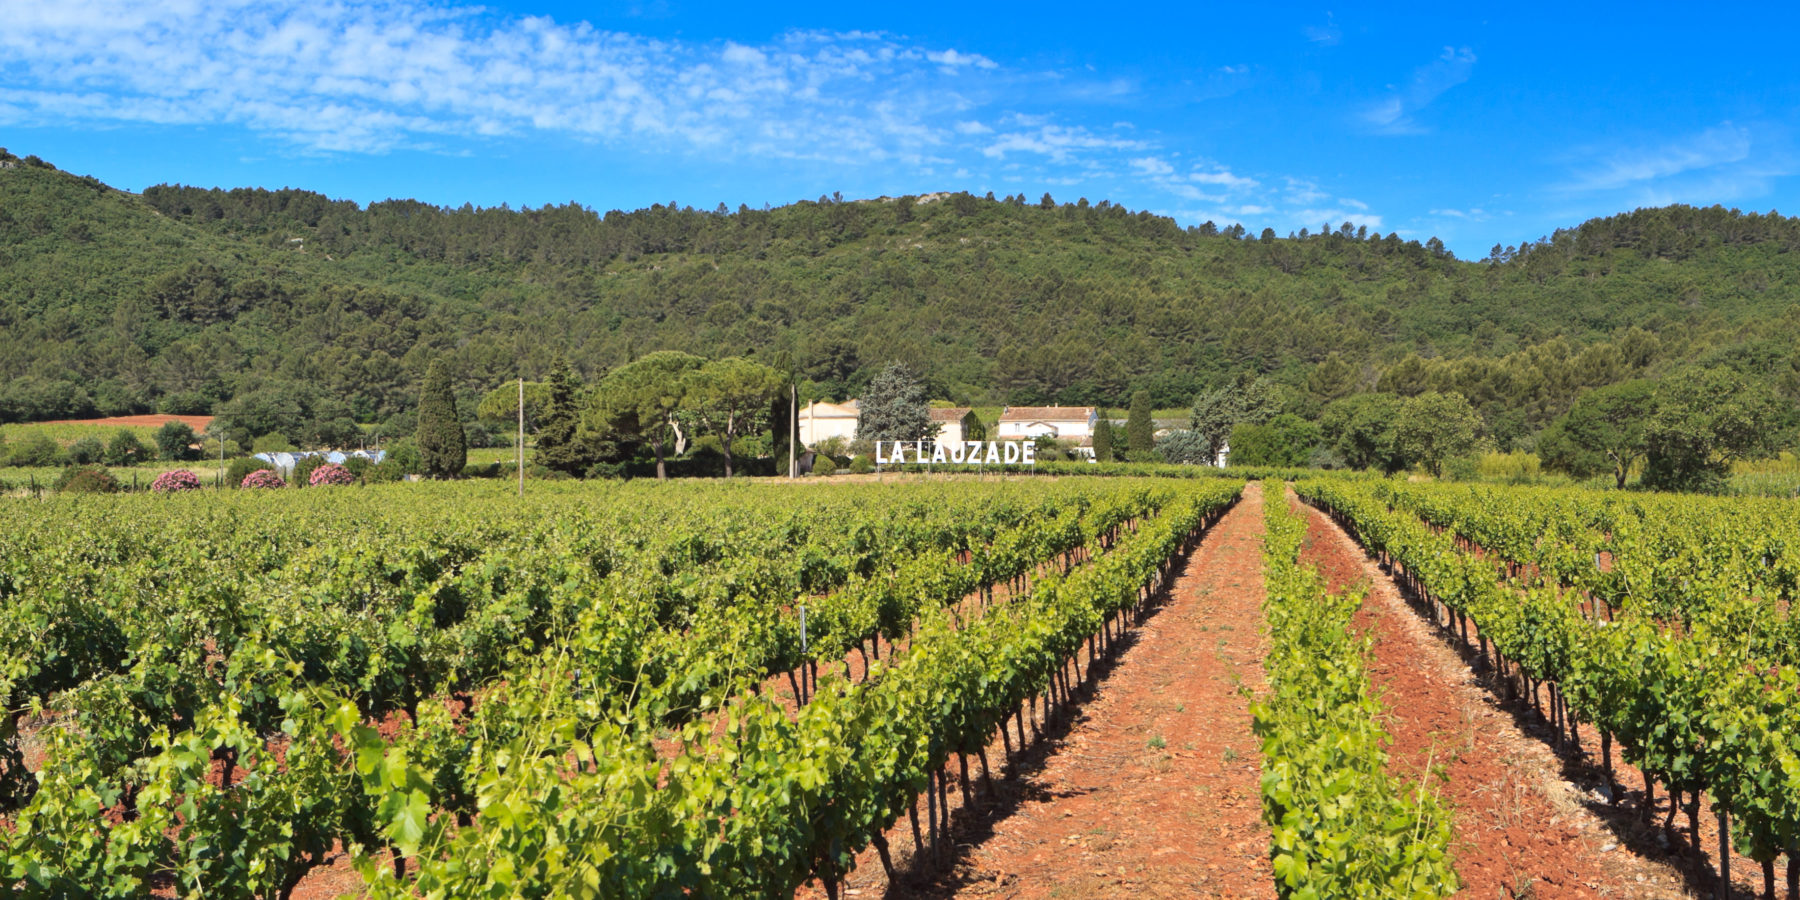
x: 824, y: 421
x: 1072, y: 423
x: 1065, y: 423
x: 949, y: 423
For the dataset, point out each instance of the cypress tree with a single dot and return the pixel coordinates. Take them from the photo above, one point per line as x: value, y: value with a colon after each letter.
x: 557, y: 446
x: 782, y: 433
x: 973, y: 429
x: 442, y: 446
x: 1140, y: 432
x: 1103, y: 451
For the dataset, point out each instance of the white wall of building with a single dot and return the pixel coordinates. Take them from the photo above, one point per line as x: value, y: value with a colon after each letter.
x: 824, y: 421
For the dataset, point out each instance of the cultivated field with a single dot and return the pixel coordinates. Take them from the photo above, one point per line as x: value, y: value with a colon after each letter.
x: 1014, y: 687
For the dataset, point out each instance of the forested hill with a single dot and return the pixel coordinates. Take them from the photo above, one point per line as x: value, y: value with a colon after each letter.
x: 182, y: 298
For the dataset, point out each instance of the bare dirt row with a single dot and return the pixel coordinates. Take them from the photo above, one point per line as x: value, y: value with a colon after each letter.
x: 1530, y: 822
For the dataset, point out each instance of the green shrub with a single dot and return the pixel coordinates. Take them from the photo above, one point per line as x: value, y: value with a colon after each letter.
x: 235, y: 472
x: 862, y: 465
x: 481, y: 470
x: 384, y: 472
x: 273, y: 442
x: 405, y: 454
x: 36, y: 450
x: 126, y: 450
x: 86, y: 480
x: 1462, y: 468
x: 822, y: 465
x: 358, y: 465
x: 87, y: 451
x: 303, y: 469
x: 174, y: 441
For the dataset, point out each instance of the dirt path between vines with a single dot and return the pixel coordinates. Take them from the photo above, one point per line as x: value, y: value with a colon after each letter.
x: 1151, y: 789
x: 1522, y: 829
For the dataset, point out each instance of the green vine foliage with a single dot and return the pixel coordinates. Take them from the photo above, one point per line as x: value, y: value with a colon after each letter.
x: 1661, y: 620
x: 1340, y: 825
x: 471, y: 698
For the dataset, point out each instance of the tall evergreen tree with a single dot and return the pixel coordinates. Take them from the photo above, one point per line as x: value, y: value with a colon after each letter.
x: 972, y: 427
x: 1103, y: 449
x: 442, y: 445
x: 1247, y: 400
x: 1140, y: 431
x: 894, y: 408
x: 560, y: 444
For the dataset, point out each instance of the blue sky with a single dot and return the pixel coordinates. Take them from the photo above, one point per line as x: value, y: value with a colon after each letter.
x: 1492, y: 125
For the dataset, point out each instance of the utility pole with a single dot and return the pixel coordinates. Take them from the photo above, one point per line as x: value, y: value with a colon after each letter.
x: 794, y: 433
x: 521, y: 437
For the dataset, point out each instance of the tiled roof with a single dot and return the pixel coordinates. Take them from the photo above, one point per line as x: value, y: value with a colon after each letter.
x: 953, y: 414
x: 830, y: 410
x: 1046, y: 414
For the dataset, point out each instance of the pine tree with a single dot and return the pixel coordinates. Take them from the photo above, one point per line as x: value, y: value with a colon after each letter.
x: 894, y: 408
x: 442, y: 445
x: 1140, y: 431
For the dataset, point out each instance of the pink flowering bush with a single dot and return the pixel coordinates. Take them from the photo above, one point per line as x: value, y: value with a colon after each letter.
x: 263, y: 478
x: 178, y: 480
x: 330, y: 473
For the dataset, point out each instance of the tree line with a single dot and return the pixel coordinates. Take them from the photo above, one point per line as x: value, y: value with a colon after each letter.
x: 307, y: 315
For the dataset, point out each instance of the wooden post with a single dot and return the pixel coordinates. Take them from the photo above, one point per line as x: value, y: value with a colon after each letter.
x: 521, y: 437
x: 794, y: 433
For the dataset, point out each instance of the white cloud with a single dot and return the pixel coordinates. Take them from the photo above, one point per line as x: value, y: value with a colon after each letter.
x: 338, y: 76
x: 1151, y: 165
x: 347, y: 77
x: 953, y: 59
x: 1224, y: 179
x: 1717, y: 146
x: 1473, y: 214
x: 1057, y: 143
x: 1394, y: 113
x: 1336, y: 217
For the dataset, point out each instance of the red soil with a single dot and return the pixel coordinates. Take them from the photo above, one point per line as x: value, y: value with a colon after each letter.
x: 198, y: 423
x: 1522, y: 828
x: 1149, y: 788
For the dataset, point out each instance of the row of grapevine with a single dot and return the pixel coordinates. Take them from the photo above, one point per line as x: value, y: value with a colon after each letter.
x: 555, y: 777
x: 1690, y: 699
x: 129, y: 638
x: 1340, y: 825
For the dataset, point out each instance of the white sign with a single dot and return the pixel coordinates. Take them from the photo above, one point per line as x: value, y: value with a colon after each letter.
x: 956, y: 453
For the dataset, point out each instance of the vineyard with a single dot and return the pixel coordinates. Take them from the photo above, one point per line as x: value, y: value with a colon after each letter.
x: 582, y: 696
x: 747, y: 690
x: 1661, y: 623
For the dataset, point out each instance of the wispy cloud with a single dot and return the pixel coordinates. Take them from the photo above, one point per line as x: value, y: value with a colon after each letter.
x: 343, y: 77
x: 1473, y: 214
x: 1727, y: 163
x: 1713, y: 148
x: 1328, y: 34
x: 1393, y: 114
x: 1207, y: 191
x: 372, y: 77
